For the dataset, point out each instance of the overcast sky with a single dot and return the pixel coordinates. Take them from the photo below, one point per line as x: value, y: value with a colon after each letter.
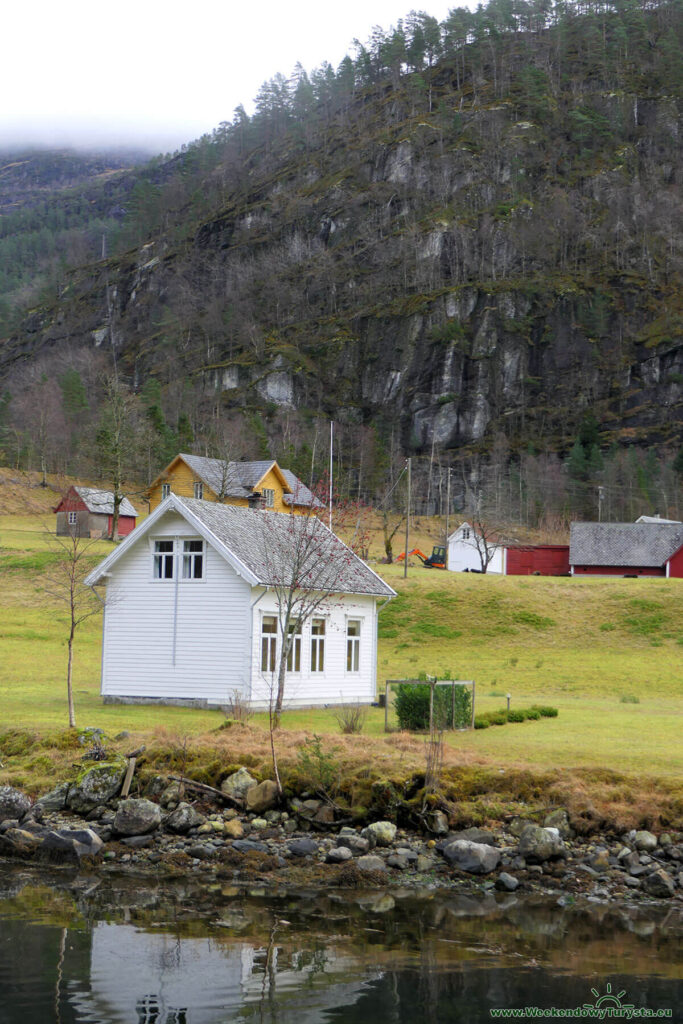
x: 160, y: 72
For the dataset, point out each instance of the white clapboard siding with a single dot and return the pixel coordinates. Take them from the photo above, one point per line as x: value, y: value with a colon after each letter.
x: 335, y: 685
x: 212, y: 627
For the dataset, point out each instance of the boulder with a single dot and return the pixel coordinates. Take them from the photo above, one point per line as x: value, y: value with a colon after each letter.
x: 473, y: 835
x: 475, y: 858
x: 370, y: 862
x: 559, y: 819
x: 538, y: 844
x: 303, y: 847
x: 183, y: 818
x: 659, y: 883
x: 13, y: 803
x: 262, y: 797
x: 96, y: 785
x: 380, y: 833
x: 506, y: 882
x: 354, y: 842
x: 338, y: 855
x: 18, y: 842
x: 646, y: 842
x: 246, y: 845
x: 136, y: 817
x: 56, y: 799
x: 238, y: 784
x: 70, y: 844
x: 438, y: 823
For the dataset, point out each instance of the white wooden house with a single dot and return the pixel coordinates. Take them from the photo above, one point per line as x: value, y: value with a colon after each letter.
x: 192, y: 612
x: 464, y: 551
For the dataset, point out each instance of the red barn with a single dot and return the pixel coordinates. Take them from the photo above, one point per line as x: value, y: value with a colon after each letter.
x: 626, y: 549
x: 90, y: 513
x: 537, y: 560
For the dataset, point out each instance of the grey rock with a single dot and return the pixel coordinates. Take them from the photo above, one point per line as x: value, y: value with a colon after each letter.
x: 18, y: 842
x: 632, y: 883
x: 67, y: 844
x: 96, y: 785
x: 357, y: 844
x: 183, y: 818
x: 136, y: 817
x: 399, y: 861
x: 56, y: 799
x: 245, y: 845
x: 474, y: 835
x: 538, y: 844
x: 438, y: 823
x: 138, y: 842
x: 338, y: 855
x: 474, y: 858
x: 290, y: 826
x: 518, y: 825
x: 201, y: 851
x: 659, y: 883
x: 302, y: 847
x: 371, y: 862
x: 644, y: 841
x: 559, y: 819
x: 262, y: 797
x: 238, y: 784
x: 380, y: 833
x: 13, y: 803
x: 170, y: 797
x: 506, y: 882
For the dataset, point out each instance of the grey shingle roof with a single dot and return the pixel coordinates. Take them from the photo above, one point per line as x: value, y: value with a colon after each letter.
x: 102, y: 502
x: 627, y: 544
x: 238, y: 479
x: 277, y: 547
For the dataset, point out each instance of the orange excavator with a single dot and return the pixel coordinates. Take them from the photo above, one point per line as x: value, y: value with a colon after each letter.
x: 437, y: 559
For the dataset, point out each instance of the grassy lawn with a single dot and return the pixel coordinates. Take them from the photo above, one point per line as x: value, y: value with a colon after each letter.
x: 607, y: 652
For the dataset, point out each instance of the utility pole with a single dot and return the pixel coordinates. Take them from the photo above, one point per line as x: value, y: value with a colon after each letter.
x: 331, y: 465
x: 448, y: 509
x: 601, y: 495
x: 405, y: 559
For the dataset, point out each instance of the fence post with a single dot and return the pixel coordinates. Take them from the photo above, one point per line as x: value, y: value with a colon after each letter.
x: 386, y: 705
x: 473, y: 685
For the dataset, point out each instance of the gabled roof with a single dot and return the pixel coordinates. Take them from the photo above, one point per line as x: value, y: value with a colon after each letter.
x: 240, y: 479
x: 627, y: 544
x: 100, y: 502
x: 260, y: 546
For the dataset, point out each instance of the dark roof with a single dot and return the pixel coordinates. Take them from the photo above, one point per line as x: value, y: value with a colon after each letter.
x: 627, y: 544
x: 102, y: 502
x: 238, y: 479
x: 273, y: 545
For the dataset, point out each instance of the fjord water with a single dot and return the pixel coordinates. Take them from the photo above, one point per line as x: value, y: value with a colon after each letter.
x: 114, y: 952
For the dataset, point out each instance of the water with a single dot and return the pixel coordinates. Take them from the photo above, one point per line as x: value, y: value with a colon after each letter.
x: 113, y: 952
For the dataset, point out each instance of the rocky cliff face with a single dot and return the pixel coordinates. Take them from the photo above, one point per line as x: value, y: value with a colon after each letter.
x: 461, y: 266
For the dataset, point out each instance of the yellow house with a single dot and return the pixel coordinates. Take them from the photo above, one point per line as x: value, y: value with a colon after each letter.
x: 247, y: 484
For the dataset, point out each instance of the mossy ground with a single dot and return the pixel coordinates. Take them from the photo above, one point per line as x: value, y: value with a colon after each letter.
x: 541, y: 640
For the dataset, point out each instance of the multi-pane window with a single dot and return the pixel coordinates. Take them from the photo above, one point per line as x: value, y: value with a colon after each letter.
x: 73, y: 518
x: 165, y: 491
x: 198, y: 489
x: 465, y: 533
x: 294, y: 656
x: 318, y: 645
x: 268, y: 497
x: 352, y: 645
x: 193, y: 559
x: 268, y: 642
x: 163, y: 559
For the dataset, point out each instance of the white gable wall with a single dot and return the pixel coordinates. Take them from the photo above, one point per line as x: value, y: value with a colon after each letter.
x: 463, y: 554
x: 210, y: 619
x: 335, y: 685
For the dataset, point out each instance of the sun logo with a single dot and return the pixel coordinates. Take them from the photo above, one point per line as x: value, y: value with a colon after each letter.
x: 608, y: 999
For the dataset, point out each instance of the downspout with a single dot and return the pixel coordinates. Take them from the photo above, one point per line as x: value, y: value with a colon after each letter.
x: 176, y: 574
x: 375, y: 642
x: 104, y: 613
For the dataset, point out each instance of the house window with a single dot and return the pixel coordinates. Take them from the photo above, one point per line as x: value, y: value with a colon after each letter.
x: 294, y: 656
x: 268, y: 642
x: 318, y: 645
x: 73, y: 518
x: 165, y: 491
x: 466, y: 533
x: 193, y: 559
x: 268, y: 497
x: 163, y: 559
x: 352, y: 645
x: 198, y: 489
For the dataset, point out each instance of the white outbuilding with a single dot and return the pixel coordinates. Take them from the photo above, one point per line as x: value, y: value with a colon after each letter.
x: 469, y: 551
x: 196, y: 608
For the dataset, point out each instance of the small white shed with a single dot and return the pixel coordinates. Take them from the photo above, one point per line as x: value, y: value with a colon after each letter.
x: 465, y: 548
x: 192, y: 613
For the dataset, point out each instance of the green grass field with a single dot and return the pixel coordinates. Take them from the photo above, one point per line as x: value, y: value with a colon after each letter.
x: 607, y: 652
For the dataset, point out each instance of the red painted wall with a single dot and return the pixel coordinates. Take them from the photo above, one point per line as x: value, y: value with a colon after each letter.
x: 676, y: 564
x: 618, y: 570
x: 126, y: 525
x: 545, y: 559
x: 71, y: 502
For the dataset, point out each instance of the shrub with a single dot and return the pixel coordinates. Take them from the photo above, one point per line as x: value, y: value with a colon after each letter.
x: 515, y: 715
x: 452, y: 706
x: 629, y: 698
x: 545, y: 710
x: 532, y: 713
x: 351, y: 718
x: 481, y: 723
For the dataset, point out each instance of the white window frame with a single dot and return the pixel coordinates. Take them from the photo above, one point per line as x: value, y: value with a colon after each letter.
x: 165, y: 491
x: 465, y: 533
x: 198, y: 489
x: 353, y: 645
x: 160, y: 558
x: 268, y: 497
x: 72, y: 518
x: 268, y: 645
x: 296, y: 650
x: 191, y: 560
x: 318, y: 646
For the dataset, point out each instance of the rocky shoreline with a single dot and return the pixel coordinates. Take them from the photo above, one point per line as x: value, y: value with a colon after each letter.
x: 168, y: 833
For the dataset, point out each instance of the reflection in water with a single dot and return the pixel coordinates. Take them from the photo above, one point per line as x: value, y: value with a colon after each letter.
x: 188, y: 955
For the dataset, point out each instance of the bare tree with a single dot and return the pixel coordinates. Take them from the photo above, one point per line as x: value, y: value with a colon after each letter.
x: 117, y: 442
x: 64, y: 582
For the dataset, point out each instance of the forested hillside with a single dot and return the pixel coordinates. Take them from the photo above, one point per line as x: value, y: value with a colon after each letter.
x: 461, y: 244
